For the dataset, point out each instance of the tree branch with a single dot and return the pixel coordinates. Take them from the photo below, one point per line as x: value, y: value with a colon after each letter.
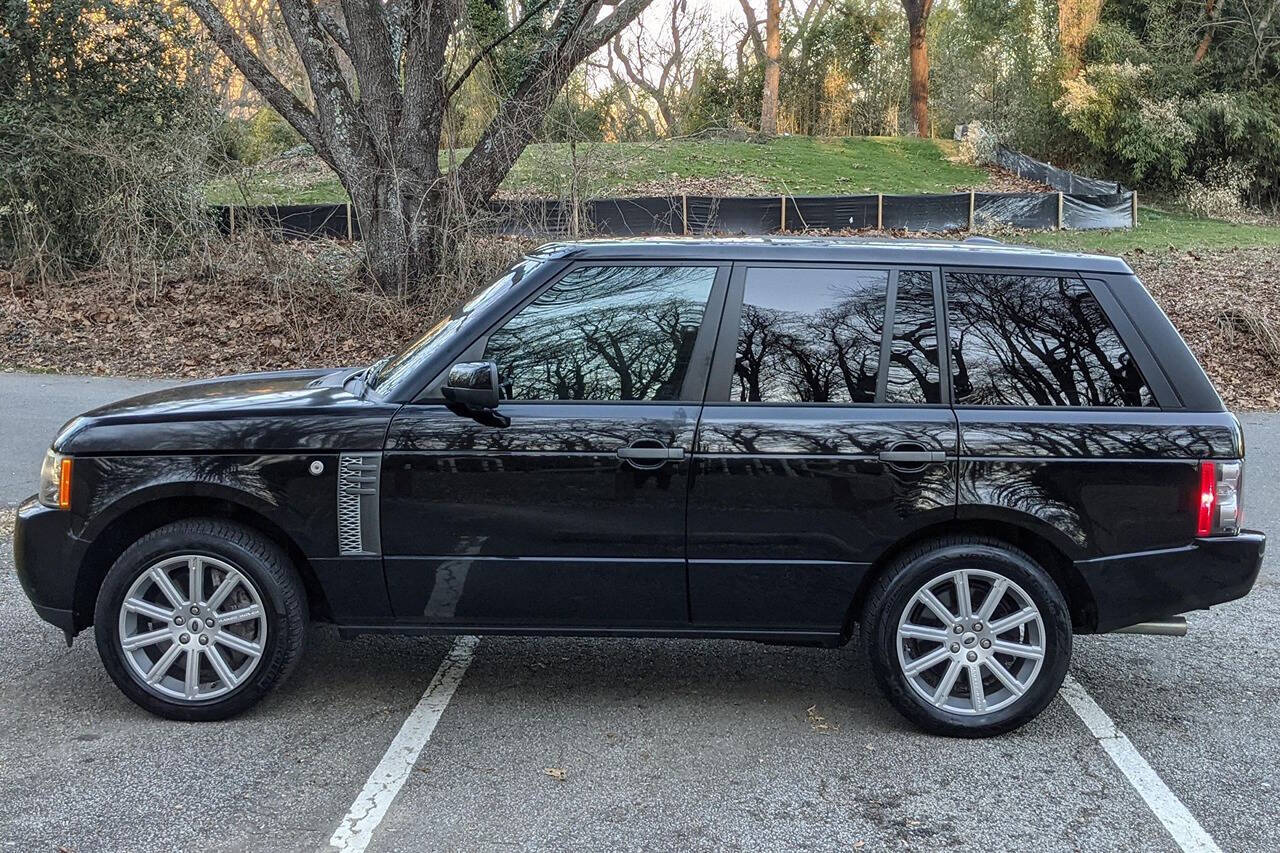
x: 281, y: 99
x: 492, y: 46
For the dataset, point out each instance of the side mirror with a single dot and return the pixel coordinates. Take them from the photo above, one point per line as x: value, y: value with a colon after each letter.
x: 471, y: 388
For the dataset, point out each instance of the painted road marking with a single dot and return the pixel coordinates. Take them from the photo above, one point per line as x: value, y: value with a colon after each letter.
x: 1170, y: 811
x: 356, y: 830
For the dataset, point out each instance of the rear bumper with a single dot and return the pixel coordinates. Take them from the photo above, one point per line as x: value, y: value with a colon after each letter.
x: 1133, y: 588
x: 47, y: 556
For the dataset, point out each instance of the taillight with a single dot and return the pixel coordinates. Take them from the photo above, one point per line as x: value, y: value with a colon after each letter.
x: 1221, y: 510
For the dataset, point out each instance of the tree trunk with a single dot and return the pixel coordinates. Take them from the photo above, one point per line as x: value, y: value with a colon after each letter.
x: 919, y: 78
x: 400, y: 249
x: 1076, y: 20
x: 1211, y: 14
x: 772, y: 69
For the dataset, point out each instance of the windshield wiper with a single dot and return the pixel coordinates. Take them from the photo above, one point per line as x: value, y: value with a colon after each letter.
x: 370, y: 373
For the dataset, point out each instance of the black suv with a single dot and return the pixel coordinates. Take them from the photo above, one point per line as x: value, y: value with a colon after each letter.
x: 751, y: 439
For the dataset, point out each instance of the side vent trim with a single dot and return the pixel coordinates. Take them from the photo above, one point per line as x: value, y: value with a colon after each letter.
x: 359, y: 532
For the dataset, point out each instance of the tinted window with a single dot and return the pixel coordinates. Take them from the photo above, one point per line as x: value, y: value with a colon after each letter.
x: 605, y: 333
x: 913, y: 355
x: 810, y: 335
x: 1029, y: 340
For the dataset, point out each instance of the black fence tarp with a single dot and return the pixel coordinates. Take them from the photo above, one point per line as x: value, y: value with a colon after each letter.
x: 629, y: 217
x: 1060, y: 179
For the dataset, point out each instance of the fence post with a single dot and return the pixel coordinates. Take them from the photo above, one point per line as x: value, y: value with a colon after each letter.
x: 1133, y: 210
x: 970, y: 210
x: 684, y: 213
x: 232, y: 210
x: 879, y: 211
x: 1059, y: 211
x: 784, y: 214
x: 350, y: 230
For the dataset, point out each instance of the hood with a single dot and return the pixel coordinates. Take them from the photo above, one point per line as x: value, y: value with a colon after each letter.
x: 253, y: 411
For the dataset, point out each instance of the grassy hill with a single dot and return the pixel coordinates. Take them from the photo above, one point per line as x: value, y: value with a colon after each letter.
x: 786, y: 165
x: 783, y: 166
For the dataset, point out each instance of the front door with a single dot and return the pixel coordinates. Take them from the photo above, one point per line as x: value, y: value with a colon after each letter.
x: 824, y: 440
x: 574, y: 515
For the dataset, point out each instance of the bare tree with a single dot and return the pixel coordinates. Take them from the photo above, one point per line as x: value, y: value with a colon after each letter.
x: 773, y: 50
x: 380, y: 127
x: 657, y: 61
x: 917, y: 26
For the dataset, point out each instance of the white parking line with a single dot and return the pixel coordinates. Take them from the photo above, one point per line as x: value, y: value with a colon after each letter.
x: 356, y: 830
x: 1170, y: 811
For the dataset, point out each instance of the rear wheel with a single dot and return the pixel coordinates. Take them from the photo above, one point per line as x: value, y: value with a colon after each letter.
x: 967, y: 636
x: 198, y: 619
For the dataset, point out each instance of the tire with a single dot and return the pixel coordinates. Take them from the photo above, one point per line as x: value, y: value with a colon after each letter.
x: 246, y: 636
x: 938, y: 697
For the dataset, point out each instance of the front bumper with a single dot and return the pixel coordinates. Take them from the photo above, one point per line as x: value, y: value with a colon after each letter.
x: 47, y: 555
x: 1133, y: 588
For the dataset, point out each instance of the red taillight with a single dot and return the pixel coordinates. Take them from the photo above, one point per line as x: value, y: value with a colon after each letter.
x: 1208, y: 499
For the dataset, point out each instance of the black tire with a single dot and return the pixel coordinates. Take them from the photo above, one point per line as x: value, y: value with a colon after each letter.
x: 893, y: 592
x: 254, y: 556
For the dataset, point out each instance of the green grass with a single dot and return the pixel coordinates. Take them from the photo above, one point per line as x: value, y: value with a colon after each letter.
x: 1158, y: 230
x: 786, y: 165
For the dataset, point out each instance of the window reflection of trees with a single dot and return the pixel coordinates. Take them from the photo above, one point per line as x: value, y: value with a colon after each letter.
x: 1036, y: 340
x: 827, y: 355
x: 913, y: 355
x: 605, y: 333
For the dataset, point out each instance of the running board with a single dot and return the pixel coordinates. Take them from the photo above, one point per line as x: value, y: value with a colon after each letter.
x: 1174, y: 626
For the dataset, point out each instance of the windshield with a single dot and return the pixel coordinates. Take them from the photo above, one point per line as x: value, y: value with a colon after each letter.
x: 443, y: 331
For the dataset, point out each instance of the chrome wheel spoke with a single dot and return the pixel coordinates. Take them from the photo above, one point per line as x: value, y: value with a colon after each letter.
x: 1014, y: 620
x: 977, y: 695
x: 994, y: 595
x: 929, y: 600
x: 964, y: 601
x: 1006, y: 678
x: 928, y: 661
x: 1017, y: 650
x: 161, y: 579
x: 192, y: 683
x: 948, y: 682
x: 242, y: 614
x: 224, y: 589
x: 163, y: 663
x: 239, y: 644
x: 150, y: 638
x: 146, y: 608
x: 219, y: 664
x: 195, y: 579
x: 923, y: 632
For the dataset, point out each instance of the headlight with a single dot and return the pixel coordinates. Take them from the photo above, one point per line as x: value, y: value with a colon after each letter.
x: 55, y: 481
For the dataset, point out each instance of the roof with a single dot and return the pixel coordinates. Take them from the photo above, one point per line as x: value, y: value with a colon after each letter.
x: 974, y: 251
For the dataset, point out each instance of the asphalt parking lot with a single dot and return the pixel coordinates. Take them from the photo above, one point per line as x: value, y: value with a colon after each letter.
x: 635, y: 744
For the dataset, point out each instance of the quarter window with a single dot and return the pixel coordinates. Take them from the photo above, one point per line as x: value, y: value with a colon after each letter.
x: 605, y: 333
x: 810, y: 335
x: 1036, y: 340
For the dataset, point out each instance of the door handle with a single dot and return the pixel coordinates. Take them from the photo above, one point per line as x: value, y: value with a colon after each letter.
x: 912, y: 457
x: 651, y: 454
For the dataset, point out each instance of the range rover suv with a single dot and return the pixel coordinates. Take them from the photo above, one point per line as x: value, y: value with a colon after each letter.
x: 960, y: 453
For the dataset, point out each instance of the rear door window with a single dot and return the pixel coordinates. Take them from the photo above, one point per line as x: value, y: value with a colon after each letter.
x: 1030, y: 339
x: 810, y: 335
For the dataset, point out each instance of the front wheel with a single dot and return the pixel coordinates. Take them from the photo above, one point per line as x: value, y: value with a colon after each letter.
x: 200, y: 618
x: 967, y: 636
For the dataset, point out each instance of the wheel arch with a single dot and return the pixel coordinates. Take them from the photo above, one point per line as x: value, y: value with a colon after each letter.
x: 114, y: 535
x: 1020, y: 534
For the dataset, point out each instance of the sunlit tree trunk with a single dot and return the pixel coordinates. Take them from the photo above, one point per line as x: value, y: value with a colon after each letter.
x: 917, y: 25
x: 772, y: 69
x: 1076, y: 20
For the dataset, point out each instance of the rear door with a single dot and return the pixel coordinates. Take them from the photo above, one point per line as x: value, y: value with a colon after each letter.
x: 573, y: 515
x: 824, y: 440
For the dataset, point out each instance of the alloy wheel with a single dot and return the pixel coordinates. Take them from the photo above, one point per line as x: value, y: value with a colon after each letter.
x: 970, y: 642
x: 192, y: 628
